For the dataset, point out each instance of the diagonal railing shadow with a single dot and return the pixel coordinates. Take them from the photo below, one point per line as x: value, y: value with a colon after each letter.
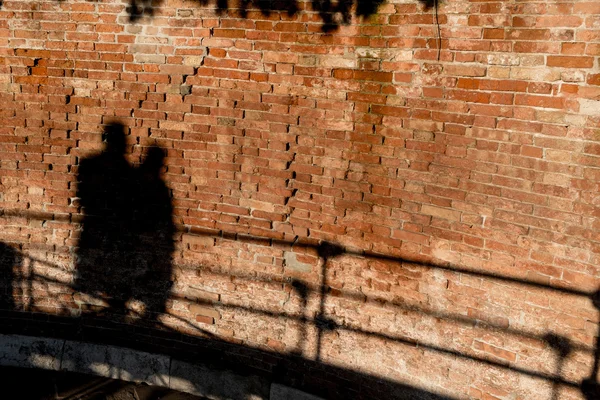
x: 323, y: 324
x: 561, y: 345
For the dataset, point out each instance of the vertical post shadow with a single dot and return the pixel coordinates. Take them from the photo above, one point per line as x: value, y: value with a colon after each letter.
x: 326, y: 252
x: 590, y: 387
x: 9, y: 260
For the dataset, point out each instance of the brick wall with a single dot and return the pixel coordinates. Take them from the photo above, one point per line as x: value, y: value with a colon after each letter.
x: 461, y: 182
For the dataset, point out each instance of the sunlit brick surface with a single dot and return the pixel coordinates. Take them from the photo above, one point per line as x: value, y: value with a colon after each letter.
x: 436, y: 171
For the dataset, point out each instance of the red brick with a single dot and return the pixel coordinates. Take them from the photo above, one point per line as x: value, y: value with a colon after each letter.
x: 570, y: 62
x: 279, y: 135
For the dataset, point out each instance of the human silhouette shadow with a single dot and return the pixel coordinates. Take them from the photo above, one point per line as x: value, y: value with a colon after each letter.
x: 124, y: 252
x: 154, y: 228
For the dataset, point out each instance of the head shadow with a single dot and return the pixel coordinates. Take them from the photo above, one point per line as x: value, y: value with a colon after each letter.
x: 114, y: 138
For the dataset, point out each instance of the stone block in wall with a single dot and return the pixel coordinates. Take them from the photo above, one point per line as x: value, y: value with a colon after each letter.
x: 198, y: 309
x: 294, y: 263
x: 195, y: 293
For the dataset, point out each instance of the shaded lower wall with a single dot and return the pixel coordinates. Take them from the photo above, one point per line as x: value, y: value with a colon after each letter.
x: 202, y: 375
x: 330, y: 342
x: 401, y: 191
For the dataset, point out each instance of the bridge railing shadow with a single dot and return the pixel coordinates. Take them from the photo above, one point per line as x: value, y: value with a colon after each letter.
x: 320, y: 323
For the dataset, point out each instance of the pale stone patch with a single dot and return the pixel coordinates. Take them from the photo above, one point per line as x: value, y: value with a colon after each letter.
x: 499, y: 72
x: 257, y: 205
x: 291, y: 262
x: 557, y: 179
x: 195, y: 61
x: 384, y: 54
x: 337, y: 62
x: 575, y: 120
x: 553, y: 117
x: 532, y: 60
x: 503, y: 59
x: 589, y: 107
x: 150, y: 58
x: 573, y: 76
x: 439, y: 212
x: 538, y: 74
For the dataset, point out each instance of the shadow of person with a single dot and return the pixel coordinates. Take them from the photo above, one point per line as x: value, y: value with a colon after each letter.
x: 106, y: 195
x: 126, y: 244
x: 154, y: 229
x: 9, y: 259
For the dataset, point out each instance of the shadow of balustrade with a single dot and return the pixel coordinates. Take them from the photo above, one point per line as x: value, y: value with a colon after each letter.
x: 48, y: 306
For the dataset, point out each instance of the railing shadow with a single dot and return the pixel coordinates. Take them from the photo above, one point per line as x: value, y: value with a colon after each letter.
x: 123, y: 277
x: 214, y: 348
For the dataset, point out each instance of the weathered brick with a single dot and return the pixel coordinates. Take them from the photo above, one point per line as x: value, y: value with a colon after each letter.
x: 434, y: 173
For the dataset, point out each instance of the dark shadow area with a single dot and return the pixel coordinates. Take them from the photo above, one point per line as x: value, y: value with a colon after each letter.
x: 52, y: 385
x: 9, y: 259
x: 125, y: 249
x: 317, y: 378
x: 294, y: 369
x: 124, y: 267
x: 331, y: 12
x: 590, y: 387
